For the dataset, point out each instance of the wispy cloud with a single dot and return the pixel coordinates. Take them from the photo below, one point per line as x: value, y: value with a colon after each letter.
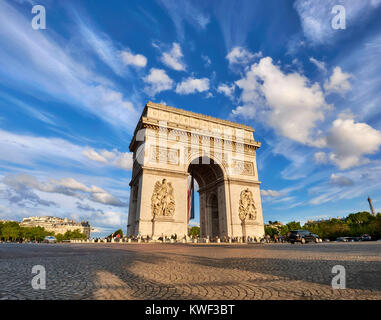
x: 44, y: 68
x: 316, y: 18
x: 119, y: 159
x: 184, y: 12
x: 23, y: 185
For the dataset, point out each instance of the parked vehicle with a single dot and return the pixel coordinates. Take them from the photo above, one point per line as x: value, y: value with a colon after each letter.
x: 303, y: 236
x: 344, y: 239
x: 317, y: 238
x: 366, y: 237
x: 50, y: 239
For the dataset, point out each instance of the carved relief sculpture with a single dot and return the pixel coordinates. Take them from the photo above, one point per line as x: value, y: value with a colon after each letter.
x: 163, y: 201
x: 247, y: 208
x: 164, y: 155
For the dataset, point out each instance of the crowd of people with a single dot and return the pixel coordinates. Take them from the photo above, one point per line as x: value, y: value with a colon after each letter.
x: 225, y: 239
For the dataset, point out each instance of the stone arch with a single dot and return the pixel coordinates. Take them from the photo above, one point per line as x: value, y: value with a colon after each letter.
x: 199, y: 155
x: 231, y: 149
x: 210, y: 177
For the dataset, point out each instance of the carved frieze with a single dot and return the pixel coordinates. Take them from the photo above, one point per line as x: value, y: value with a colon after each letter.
x: 163, y: 201
x: 243, y: 167
x: 164, y: 155
x: 247, y: 209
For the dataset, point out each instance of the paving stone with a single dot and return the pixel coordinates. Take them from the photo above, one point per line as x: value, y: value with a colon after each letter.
x: 187, y: 271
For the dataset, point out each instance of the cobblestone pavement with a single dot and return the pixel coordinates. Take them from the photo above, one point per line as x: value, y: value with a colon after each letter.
x: 185, y: 271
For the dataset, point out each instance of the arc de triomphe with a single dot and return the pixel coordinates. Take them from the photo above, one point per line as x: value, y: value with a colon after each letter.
x: 168, y: 145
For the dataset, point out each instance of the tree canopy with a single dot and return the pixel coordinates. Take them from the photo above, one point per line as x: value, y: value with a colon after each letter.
x: 354, y: 225
x: 12, y: 231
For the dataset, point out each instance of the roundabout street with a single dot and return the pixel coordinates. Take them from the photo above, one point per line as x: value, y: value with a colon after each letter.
x: 187, y: 271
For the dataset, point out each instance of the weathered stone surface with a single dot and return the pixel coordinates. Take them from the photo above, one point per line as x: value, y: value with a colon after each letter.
x: 190, y: 271
x: 171, y: 144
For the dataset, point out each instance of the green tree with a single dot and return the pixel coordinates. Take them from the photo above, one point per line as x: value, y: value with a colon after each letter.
x: 271, y: 231
x: 194, y: 231
x: 119, y: 231
x: 75, y: 234
x: 10, y: 231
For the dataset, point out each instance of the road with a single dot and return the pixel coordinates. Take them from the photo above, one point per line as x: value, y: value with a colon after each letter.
x: 187, y: 271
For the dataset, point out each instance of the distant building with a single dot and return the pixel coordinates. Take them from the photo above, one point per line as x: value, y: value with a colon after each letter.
x: 275, y: 224
x: 4, y: 221
x: 57, y: 225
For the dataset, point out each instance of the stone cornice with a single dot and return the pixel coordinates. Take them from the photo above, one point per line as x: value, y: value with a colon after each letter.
x: 153, y: 124
x: 243, y: 181
x: 198, y: 116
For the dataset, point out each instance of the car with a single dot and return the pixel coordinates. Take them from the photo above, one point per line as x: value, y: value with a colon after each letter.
x: 317, y: 238
x: 303, y: 236
x: 345, y: 239
x: 366, y: 237
x: 50, y: 239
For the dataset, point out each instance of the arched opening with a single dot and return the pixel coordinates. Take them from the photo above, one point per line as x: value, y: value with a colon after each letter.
x: 213, y: 209
x: 208, y: 175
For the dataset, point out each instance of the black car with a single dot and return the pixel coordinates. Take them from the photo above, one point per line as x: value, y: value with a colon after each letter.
x: 366, y: 237
x: 303, y: 236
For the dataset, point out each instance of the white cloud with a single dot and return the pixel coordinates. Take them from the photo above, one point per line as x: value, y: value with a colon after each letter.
x: 173, y: 58
x: 239, y: 55
x: 294, y: 105
x: 340, y: 180
x: 137, y: 60
x: 321, y: 157
x: 21, y: 186
x: 319, y: 64
x: 119, y: 159
x: 191, y: 85
x: 93, y: 155
x: 113, y: 218
x: 158, y: 81
x: 28, y: 150
x: 226, y: 90
x: 350, y: 141
x: 361, y: 182
x: 124, y: 160
x: 45, y: 68
x: 270, y: 193
x: 338, y: 82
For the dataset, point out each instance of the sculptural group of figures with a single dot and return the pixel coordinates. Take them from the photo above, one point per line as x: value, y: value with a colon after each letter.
x: 247, y: 210
x: 163, y: 201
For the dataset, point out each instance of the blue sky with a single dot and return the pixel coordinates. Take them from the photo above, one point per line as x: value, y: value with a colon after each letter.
x: 71, y: 94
